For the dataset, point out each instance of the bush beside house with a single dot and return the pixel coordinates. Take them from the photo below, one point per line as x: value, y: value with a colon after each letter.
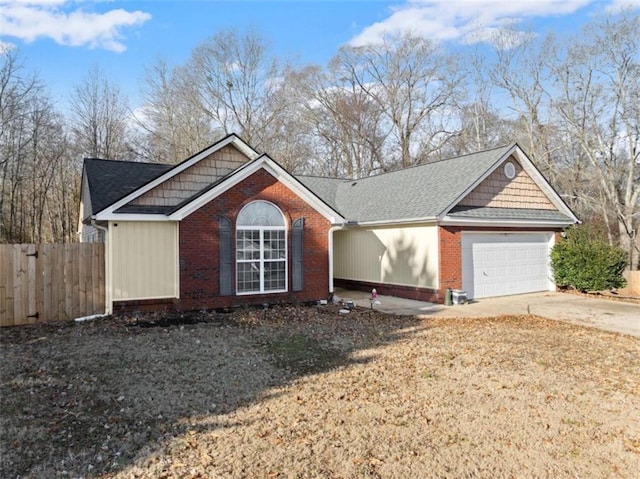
x: 585, y: 261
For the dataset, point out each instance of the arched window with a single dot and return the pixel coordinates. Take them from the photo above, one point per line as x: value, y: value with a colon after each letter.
x: 261, y: 249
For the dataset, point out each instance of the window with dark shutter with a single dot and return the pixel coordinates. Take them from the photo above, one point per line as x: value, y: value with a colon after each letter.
x: 297, y: 249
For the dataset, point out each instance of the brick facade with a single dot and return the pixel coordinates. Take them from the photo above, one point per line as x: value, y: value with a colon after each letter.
x: 199, y: 249
x: 449, y: 259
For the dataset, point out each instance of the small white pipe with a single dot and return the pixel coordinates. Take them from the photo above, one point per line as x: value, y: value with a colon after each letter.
x: 90, y: 318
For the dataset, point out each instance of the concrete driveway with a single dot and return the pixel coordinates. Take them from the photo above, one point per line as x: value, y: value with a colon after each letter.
x: 616, y: 316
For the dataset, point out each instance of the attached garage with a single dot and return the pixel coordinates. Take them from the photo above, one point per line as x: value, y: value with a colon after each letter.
x: 501, y: 264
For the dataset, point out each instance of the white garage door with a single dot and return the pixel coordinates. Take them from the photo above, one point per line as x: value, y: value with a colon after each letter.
x: 499, y: 264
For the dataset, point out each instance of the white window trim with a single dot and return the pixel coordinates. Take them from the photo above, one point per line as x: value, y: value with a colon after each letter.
x: 261, y: 260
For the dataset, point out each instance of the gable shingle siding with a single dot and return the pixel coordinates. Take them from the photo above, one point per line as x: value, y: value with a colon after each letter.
x: 194, y: 179
x: 497, y: 191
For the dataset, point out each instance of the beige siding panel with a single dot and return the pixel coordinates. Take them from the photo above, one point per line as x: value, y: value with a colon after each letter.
x: 144, y: 259
x: 195, y: 178
x: 497, y: 191
x: 394, y: 255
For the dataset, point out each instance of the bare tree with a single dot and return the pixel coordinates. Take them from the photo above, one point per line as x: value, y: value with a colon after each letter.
x: 99, y: 118
x: 599, y: 85
x: 33, y: 148
x: 173, y: 117
x: 238, y: 84
x: 482, y: 124
x: 416, y: 86
x: 18, y: 91
x: 346, y: 122
x: 522, y: 71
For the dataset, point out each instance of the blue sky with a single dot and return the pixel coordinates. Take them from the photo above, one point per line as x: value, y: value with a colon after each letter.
x: 63, y: 39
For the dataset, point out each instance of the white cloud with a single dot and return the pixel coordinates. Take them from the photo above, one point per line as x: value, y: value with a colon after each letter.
x: 469, y: 21
x: 67, y: 23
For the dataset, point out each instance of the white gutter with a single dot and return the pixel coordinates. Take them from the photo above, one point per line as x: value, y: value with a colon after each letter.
x: 331, y: 231
x: 424, y: 219
x: 108, y: 306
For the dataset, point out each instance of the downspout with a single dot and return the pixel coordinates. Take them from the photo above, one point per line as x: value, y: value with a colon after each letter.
x: 331, y: 231
x: 108, y: 306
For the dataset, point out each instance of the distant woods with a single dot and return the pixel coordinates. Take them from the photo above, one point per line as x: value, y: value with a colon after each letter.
x: 573, y: 104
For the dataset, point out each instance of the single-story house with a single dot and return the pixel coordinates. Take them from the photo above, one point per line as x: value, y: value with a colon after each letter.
x: 229, y: 226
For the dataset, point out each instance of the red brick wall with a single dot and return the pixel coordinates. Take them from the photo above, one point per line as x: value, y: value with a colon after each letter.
x: 199, y: 254
x: 450, y: 259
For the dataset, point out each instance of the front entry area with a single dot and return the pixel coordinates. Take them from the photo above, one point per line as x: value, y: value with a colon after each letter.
x: 501, y: 264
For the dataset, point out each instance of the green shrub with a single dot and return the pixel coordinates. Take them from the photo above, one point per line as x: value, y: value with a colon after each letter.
x: 585, y: 261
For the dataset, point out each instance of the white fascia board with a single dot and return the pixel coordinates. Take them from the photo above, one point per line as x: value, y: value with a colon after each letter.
x: 266, y: 163
x: 230, y: 140
x: 522, y: 223
x: 405, y: 221
x: 130, y: 217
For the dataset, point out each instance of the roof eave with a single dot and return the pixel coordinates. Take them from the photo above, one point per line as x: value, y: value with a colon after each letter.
x: 505, y: 222
x: 111, y: 216
x: 402, y: 221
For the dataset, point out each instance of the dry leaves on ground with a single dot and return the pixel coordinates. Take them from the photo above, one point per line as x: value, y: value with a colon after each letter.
x: 305, y: 392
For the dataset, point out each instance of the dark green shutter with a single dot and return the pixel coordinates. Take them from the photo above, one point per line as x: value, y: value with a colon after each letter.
x: 297, y: 249
x: 226, y: 257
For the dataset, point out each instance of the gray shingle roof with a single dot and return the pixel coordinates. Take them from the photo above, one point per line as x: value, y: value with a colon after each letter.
x: 111, y: 180
x: 507, y: 213
x: 422, y: 191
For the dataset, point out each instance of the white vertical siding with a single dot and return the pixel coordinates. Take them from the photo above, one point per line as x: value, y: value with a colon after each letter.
x: 405, y: 255
x: 144, y: 259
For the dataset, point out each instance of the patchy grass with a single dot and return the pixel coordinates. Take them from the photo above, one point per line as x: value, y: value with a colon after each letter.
x: 304, y: 392
x: 302, y: 354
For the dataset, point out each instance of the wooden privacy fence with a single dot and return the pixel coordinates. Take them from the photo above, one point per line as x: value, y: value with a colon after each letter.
x: 50, y: 282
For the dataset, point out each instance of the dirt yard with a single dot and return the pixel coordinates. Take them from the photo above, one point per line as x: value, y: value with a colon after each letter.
x: 304, y: 392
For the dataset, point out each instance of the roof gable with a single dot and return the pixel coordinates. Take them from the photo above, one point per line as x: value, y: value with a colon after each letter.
x: 273, y: 168
x: 497, y: 190
x: 172, y: 172
x: 429, y: 192
x: 190, y: 181
x: 418, y: 192
x: 543, y: 196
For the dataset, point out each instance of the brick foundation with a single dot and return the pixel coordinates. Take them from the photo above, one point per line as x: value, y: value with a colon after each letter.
x: 409, y: 292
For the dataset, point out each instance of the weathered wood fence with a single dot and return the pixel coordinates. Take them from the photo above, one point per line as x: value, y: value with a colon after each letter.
x: 50, y: 282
